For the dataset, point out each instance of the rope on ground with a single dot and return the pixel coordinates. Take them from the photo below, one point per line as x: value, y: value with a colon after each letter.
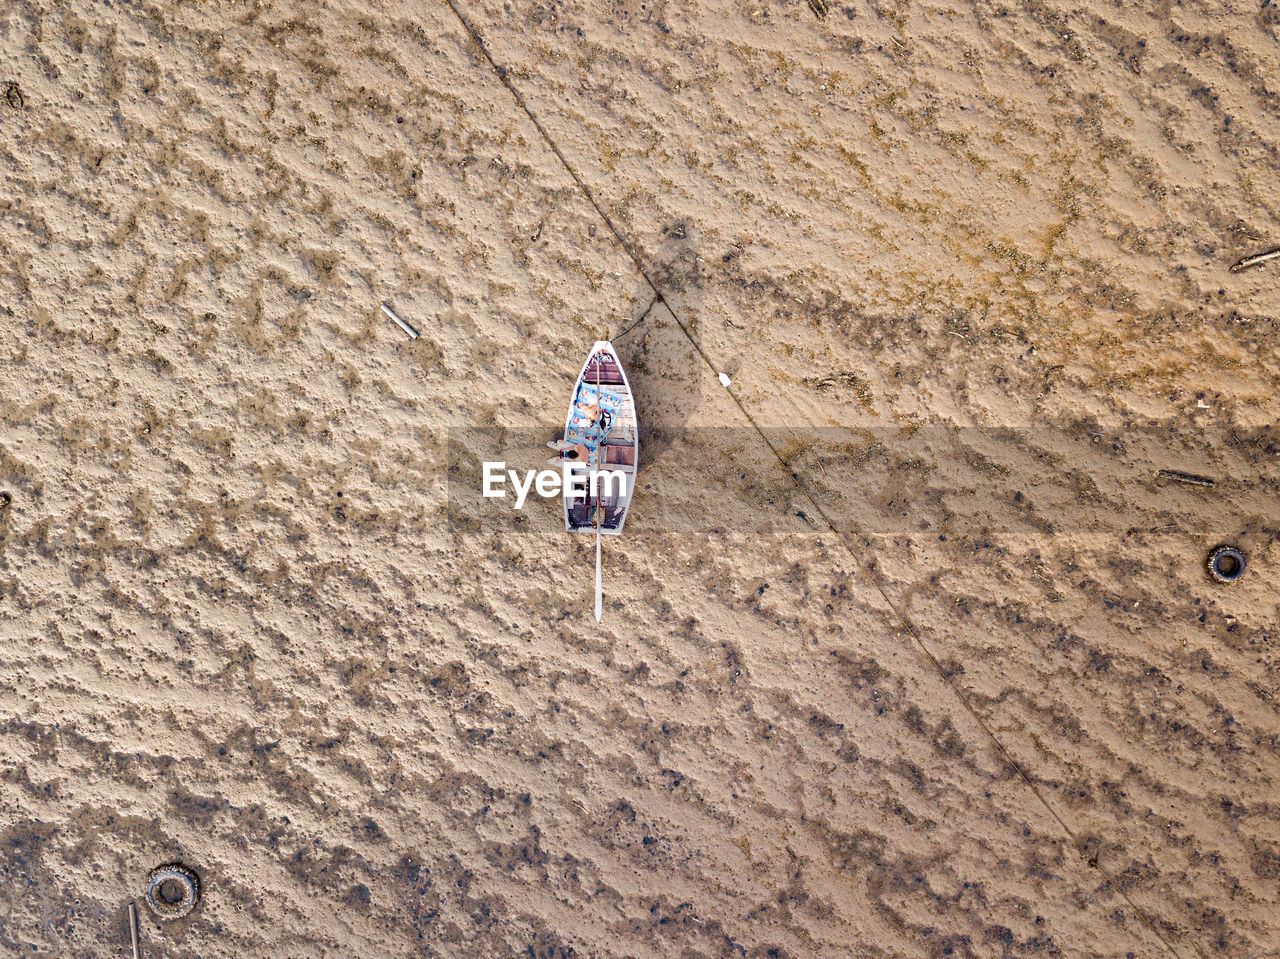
x: 907, y: 625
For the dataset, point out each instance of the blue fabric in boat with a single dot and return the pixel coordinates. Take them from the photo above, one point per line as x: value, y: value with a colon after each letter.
x: 589, y: 393
x: 582, y: 428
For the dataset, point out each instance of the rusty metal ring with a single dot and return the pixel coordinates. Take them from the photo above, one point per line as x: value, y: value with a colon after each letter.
x: 186, y: 879
x: 1226, y: 564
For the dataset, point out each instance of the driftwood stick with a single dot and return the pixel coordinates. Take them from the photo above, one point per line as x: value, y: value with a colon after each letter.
x: 1191, y: 479
x: 1258, y: 260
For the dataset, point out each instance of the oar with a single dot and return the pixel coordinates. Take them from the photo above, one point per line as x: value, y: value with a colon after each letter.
x: 599, y: 507
x: 599, y: 573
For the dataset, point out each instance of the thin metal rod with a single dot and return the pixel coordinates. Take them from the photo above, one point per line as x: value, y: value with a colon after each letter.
x: 133, y: 931
x: 413, y: 334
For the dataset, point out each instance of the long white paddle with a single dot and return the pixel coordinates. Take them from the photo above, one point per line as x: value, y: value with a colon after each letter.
x: 599, y: 509
x: 599, y: 574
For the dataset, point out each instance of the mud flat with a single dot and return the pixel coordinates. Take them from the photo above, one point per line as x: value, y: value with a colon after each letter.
x: 908, y: 649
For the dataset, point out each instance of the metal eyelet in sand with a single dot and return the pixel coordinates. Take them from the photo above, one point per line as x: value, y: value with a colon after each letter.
x: 185, y: 878
x: 1226, y: 564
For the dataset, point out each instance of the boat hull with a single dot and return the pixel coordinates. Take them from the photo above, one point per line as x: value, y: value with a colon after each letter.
x: 602, y: 420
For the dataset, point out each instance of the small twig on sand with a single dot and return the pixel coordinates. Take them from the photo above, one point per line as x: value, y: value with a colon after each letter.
x: 1255, y: 260
x: 1189, y: 478
x: 413, y: 334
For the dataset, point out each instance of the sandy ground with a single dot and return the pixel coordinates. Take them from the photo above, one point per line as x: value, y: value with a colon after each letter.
x: 967, y: 265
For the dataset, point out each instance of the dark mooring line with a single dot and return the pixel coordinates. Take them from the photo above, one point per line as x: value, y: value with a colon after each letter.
x: 910, y: 628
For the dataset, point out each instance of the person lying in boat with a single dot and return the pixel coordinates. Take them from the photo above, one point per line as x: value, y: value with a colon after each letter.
x: 567, y: 452
x: 589, y: 416
x: 594, y: 409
